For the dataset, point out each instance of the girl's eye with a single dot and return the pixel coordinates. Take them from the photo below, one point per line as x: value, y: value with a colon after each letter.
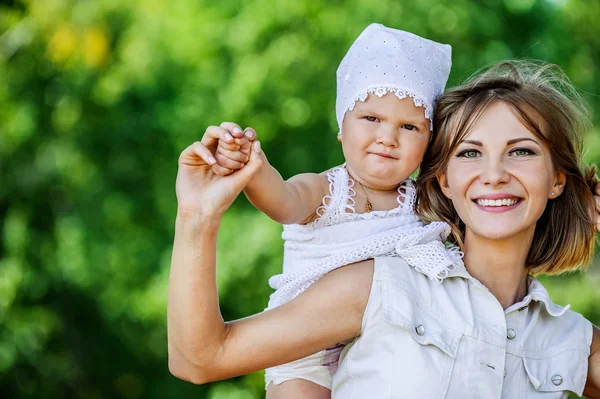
x: 409, y: 127
x: 469, y: 154
x: 521, y: 152
x: 371, y: 118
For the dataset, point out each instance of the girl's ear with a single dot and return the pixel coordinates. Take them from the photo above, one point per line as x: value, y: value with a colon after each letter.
x: 339, y: 138
x: 443, y: 182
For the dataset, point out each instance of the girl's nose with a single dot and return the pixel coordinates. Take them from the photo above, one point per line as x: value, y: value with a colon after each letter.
x: 387, y: 136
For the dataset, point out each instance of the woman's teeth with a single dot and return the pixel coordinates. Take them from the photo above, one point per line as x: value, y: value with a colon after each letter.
x: 498, y: 202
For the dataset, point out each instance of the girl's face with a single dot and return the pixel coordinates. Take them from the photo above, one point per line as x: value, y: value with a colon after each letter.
x: 500, y: 177
x: 384, y: 140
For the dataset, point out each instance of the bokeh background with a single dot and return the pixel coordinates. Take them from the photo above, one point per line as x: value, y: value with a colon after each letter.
x: 98, y: 98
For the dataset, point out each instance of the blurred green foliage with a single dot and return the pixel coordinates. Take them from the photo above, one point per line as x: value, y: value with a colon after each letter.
x: 97, y: 100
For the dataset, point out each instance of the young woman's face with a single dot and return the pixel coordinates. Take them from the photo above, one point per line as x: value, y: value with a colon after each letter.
x: 384, y: 140
x: 500, y: 177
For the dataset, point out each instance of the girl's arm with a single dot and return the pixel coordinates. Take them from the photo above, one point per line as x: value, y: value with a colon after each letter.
x: 592, y: 386
x: 202, y: 347
x: 287, y: 202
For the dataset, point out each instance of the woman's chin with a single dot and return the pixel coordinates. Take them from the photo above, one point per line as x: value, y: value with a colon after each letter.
x: 501, y: 233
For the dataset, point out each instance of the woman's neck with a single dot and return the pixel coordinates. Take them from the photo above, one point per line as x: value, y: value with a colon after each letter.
x: 499, y: 264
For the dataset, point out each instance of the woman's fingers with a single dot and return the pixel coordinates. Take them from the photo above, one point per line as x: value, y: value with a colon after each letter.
x: 255, y: 163
x: 214, y: 134
x: 233, y: 128
x: 197, y: 154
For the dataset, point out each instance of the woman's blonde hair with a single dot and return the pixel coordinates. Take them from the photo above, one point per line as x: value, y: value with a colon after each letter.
x: 544, y: 100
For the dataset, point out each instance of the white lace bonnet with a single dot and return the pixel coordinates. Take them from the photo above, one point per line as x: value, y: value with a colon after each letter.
x: 385, y: 60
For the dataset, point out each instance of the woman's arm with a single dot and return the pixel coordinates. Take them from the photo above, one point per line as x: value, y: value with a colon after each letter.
x: 592, y: 386
x: 202, y: 347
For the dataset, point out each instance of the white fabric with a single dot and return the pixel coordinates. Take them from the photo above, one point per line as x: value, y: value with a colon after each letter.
x: 451, y: 340
x: 341, y: 236
x: 385, y: 60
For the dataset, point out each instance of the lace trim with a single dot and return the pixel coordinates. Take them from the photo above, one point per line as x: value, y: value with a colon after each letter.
x: 422, y: 247
x: 405, y: 200
x: 380, y: 90
x: 340, y: 204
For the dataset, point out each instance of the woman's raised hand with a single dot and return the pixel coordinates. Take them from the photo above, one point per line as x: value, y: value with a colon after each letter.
x: 200, y: 191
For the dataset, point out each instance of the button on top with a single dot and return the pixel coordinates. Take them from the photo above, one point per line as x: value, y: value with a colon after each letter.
x: 420, y: 329
x: 557, y: 379
x: 510, y: 333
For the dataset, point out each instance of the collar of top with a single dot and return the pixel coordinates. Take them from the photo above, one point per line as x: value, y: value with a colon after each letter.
x: 535, y: 292
x: 385, y: 60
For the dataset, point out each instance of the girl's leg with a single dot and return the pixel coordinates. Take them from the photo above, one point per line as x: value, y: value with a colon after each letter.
x: 297, y: 389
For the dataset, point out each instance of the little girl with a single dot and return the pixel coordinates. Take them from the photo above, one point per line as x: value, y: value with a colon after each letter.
x: 386, y: 87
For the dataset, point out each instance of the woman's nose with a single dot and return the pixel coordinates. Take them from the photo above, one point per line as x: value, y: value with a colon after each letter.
x: 494, y: 172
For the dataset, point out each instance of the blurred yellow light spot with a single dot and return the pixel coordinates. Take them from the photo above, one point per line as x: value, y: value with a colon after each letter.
x: 442, y: 19
x: 63, y: 43
x: 95, y: 47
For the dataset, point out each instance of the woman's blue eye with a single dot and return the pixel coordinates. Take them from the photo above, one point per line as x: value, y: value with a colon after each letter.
x: 409, y: 127
x: 371, y: 118
x: 521, y: 152
x: 468, y: 154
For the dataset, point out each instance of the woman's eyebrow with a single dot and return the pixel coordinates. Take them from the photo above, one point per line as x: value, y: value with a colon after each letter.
x: 514, y: 141
x: 509, y: 142
x: 477, y: 143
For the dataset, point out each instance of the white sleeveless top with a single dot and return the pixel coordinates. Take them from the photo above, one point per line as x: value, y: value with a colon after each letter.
x: 341, y: 236
x: 453, y: 340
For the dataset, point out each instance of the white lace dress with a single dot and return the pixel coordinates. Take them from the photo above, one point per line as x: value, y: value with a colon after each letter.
x: 341, y: 236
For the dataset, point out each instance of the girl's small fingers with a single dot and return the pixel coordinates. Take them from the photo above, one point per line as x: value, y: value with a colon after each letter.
x: 242, y: 141
x: 250, y: 134
x: 233, y: 128
x: 221, y: 171
x: 234, y: 155
x: 228, y: 163
x: 228, y: 146
x: 245, y: 148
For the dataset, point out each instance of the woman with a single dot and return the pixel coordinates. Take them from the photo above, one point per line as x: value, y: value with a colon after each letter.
x: 502, y: 163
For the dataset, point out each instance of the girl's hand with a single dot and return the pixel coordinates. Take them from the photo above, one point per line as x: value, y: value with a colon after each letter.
x: 233, y: 149
x: 199, y: 189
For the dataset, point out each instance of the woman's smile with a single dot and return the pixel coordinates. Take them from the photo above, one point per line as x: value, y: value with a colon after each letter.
x: 498, y: 202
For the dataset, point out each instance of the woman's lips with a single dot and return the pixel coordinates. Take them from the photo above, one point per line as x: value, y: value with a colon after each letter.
x: 498, y: 204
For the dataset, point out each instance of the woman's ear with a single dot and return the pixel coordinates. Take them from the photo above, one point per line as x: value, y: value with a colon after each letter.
x: 443, y: 182
x: 559, y: 185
